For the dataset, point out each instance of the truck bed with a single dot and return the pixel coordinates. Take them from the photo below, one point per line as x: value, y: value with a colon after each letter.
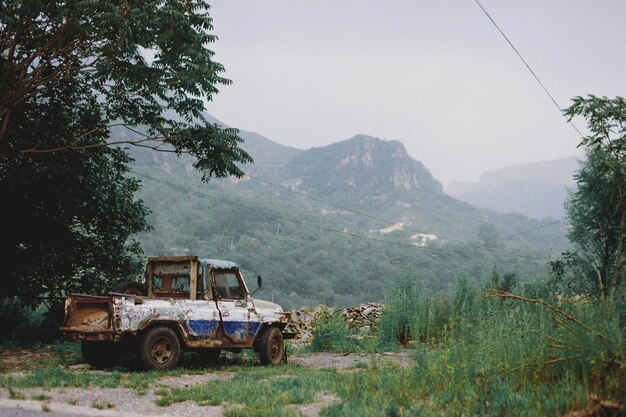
x: 87, y: 317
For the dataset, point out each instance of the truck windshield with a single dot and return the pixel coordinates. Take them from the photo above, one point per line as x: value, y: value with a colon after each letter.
x: 228, y: 286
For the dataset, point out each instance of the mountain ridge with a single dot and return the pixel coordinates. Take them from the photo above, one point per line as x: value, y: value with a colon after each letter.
x: 538, y: 190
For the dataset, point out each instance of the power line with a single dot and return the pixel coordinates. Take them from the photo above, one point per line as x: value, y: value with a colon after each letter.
x: 329, y: 229
x: 520, y: 233
x: 527, y: 65
x: 319, y: 200
x: 393, y: 223
x: 316, y: 226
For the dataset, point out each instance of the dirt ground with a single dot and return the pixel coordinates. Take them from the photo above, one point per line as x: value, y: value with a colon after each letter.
x: 79, y: 402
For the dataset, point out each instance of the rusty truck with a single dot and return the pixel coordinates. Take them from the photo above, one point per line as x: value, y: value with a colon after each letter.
x: 185, y: 303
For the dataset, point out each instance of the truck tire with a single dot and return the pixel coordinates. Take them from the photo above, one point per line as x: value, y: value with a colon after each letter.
x: 160, y: 348
x: 131, y: 288
x: 104, y: 354
x: 271, y: 346
x: 210, y: 356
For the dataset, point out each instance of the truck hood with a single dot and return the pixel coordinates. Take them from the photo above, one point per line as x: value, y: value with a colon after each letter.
x: 267, y: 305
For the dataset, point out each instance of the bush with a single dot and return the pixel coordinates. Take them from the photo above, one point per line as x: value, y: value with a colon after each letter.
x: 331, y: 334
x: 20, y: 324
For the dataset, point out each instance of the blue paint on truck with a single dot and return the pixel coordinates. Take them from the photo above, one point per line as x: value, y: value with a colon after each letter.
x: 209, y: 327
x: 204, y: 327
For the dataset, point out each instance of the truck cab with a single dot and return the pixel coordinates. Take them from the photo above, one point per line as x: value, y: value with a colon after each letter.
x: 195, y: 304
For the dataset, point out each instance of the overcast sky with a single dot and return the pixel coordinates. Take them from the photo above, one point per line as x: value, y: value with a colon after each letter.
x: 435, y: 75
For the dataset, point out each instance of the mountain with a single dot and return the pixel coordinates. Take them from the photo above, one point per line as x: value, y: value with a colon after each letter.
x: 536, y: 190
x: 334, y: 224
x: 360, y: 163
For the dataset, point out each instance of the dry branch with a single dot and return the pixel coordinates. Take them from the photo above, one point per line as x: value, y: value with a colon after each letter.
x: 505, y: 294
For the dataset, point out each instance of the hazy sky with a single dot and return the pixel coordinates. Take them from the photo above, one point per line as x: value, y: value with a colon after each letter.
x: 435, y: 75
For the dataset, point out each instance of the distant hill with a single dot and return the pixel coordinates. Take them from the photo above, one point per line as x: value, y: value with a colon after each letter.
x: 374, y: 214
x: 536, y: 190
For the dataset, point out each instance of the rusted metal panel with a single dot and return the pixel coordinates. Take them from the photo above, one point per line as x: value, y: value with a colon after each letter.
x: 172, y: 259
x: 193, y: 280
x: 218, y: 264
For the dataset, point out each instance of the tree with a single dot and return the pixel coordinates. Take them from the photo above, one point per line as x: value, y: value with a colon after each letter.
x: 597, y: 209
x: 138, y: 57
x: 68, y: 217
x: 71, y: 73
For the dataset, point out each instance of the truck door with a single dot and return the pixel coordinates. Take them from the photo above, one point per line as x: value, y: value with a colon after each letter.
x: 233, y: 302
x: 201, y: 313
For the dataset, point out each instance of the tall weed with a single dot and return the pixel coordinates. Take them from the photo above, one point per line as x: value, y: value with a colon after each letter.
x: 413, y: 314
x: 332, y: 334
x: 484, y: 353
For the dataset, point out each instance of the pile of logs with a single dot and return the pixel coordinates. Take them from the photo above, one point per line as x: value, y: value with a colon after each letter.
x: 363, y: 317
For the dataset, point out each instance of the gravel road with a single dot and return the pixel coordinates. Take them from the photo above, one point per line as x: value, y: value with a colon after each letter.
x: 73, y: 402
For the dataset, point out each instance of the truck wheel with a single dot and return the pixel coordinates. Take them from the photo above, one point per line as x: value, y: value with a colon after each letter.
x: 131, y: 288
x: 159, y: 349
x: 271, y: 346
x: 210, y: 356
x: 104, y: 354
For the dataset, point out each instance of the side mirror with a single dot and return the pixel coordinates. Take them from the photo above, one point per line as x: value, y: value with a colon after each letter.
x: 259, y: 282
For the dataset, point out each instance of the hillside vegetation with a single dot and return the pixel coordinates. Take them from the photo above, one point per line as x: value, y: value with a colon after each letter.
x: 375, y: 213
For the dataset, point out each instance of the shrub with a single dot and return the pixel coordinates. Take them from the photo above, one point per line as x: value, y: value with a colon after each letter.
x: 21, y: 324
x: 331, y: 334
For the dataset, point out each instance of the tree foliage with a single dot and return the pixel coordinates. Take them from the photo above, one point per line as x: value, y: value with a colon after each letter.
x: 69, y: 216
x: 597, y: 209
x: 138, y: 57
x: 78, y: 79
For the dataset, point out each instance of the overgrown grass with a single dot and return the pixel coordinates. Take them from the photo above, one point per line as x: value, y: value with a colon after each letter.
x: 481, y: 355
x: 476, y: 353
x: 381, y: 389
x: 332, y: 334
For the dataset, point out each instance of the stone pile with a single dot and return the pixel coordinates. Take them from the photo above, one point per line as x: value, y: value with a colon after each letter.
x: 363, y: 317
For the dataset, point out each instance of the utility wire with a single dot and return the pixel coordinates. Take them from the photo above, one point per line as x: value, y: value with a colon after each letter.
x: 329, y: 229
x: 520, y: 233
x: 392, y: 223
x: 527, y: 66
x: 360, y: 213
x: 320, y: 200
x: 316, y: 226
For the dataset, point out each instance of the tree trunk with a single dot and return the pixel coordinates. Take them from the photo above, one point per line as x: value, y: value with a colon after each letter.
x: 619, y: 257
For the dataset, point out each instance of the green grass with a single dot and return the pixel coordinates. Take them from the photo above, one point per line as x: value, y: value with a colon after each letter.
x: 54, y: 376
x: 332, y: 334
x: 474, y: 355
x: 100, y: 405
x: 381, y: 389
x: 261, y: 388
x: 14, y: 394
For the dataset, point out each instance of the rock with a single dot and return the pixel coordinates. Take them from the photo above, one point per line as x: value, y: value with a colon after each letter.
x: 363, y: 317
x: 79, y: 366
